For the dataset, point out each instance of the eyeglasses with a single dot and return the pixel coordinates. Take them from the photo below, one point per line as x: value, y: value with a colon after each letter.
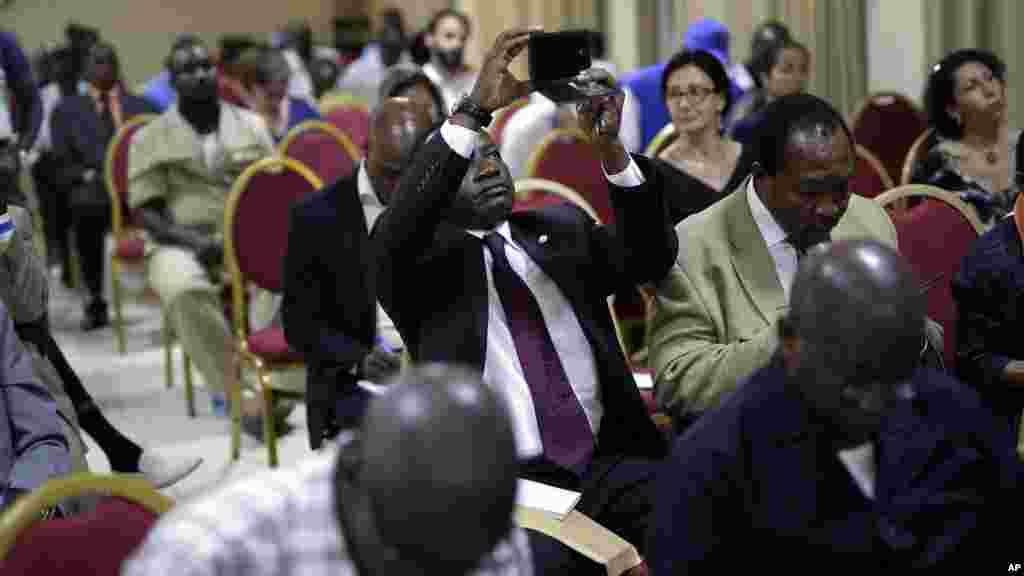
x: 694, y: 96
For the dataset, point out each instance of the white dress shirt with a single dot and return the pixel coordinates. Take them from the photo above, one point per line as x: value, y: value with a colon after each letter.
x: 502, y: 369
x: 386, y: 333
x: 783, y: 253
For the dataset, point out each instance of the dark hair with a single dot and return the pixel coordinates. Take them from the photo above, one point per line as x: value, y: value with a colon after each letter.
x: 597, y: 44
x: 259, y: 66
x: 769, y: 58
x: 784, y: 118
x: 445, y: 13
x: 418, y: 49
x: 768, y: 34
x: 182, y: 41
x: 707, y: 63
x: 401, y: 77
x: 940, y: 91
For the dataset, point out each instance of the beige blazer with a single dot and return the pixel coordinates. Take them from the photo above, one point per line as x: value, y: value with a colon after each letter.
x: 717, y: 310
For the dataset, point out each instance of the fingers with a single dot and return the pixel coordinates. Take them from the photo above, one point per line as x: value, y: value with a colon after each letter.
x: 514, y: 47
x: 514, y: 35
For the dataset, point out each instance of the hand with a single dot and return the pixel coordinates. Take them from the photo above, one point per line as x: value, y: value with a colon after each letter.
x: 496, y: 87
x: 601, y: 118
x: 379, y: 364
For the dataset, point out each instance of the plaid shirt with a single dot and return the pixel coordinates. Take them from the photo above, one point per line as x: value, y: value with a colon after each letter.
x: 279, y: 523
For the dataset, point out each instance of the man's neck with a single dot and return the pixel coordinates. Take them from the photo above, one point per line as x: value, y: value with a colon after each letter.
x: 203, y: 116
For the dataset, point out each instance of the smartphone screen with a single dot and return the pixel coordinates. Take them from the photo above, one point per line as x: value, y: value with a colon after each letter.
x: 558, y: 55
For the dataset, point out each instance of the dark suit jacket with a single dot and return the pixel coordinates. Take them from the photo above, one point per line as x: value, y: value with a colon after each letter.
x: 431, y: 278
x: 989, y: 292
x: 754, y: 483
x: 329, y: 304
x: 79, y: 137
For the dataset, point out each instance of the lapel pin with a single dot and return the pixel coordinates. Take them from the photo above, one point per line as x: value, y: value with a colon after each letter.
x: 543, y: 239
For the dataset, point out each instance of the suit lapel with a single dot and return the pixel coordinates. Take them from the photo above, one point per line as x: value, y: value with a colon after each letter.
x: 754, y: 265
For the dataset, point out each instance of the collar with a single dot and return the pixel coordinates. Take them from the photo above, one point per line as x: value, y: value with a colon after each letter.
x: 772, y: 233
x: 364, y: 186
x: 503, y: 229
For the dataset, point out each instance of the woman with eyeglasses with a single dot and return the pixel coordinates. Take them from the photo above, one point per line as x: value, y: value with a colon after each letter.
x: 973, y: 149
x: 782, y: 69
x: 695, y: 86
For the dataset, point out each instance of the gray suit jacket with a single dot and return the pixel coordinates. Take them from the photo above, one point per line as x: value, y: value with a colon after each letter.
x: 32, y: 444
x: 717, y: 310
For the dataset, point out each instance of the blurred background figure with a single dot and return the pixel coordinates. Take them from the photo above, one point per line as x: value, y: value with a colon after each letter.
x: 782, y: 69
x: 409, y: 81
x: 446, y: 39
x: 265, y: 79
x: 363, y: 77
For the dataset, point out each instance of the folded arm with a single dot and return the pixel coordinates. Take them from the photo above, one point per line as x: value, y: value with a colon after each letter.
x: 695, y: 370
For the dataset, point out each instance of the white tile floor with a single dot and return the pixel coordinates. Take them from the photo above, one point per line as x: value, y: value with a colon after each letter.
x: 131, y: 391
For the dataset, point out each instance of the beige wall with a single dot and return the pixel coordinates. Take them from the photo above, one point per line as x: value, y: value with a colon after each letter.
x: 896, y: 46
x: 143, y: 30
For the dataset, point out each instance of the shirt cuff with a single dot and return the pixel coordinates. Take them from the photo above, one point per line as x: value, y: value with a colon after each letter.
x: 460, y: 139
x: 631, y: 177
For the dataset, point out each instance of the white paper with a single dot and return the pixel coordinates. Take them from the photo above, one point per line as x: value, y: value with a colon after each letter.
x: 546, y: 498
x: 643, y: 380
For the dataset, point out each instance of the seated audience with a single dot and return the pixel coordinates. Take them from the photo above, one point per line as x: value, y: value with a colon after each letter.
x: 330, y: 308
x: 782, y: 69
x: 265, y: 75
x: 20, y: 116
x: 523, y: 296
x: 718, y: 310
x: 159, y: 90
x: 363, y: 77
x: 449, y: 31
x: 696, y: 90
x: 425, y: 486
x: 231, y: 69
x: 765, y: 36
x: 409, y: 81
x: 181, y: 168
x: 974, y: 148
x: 82, y: 129
x: 841, y: 450
x: 988, y: 289
x: 33, y: 448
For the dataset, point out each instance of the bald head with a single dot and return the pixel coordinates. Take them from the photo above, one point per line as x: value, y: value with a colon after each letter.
x: 396, y: 127
x: 438, y: 451
x: 855, y: 330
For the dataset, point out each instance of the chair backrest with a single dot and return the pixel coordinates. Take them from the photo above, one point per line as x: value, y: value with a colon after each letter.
x: 566, y: 156
x: 256, y: 225
x: 501, y: 119
x: 353, y: 119
x: 869, y: 177
x: 934, y: 236
x: 336, y: 98
x: 323, y: 148
x: 917, y: 151
x: 886, y: 123
x: 96, y: 542
x: 662, y: 139
x: 115, y: 169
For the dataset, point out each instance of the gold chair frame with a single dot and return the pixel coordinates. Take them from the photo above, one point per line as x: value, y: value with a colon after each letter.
x: 319, y: 125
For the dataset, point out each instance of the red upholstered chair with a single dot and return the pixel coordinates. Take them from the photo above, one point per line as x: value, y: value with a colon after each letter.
x: 887, y: 123
x: 351, y: 118
x: 869, y: 176
x: 567, y: 157
x: 129, y: 247
x: 323, y: 148
x: 918, y: 150
x: 255, y: 243
x: 934, y: 236
x: 95, y: 542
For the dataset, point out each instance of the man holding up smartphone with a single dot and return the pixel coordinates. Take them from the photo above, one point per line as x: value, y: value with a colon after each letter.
x: 522, y: 297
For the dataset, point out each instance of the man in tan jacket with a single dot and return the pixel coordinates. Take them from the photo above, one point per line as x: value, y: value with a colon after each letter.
x: 718, y: 310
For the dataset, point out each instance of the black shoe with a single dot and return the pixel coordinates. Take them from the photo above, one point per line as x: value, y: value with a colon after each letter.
x: 95, y: 316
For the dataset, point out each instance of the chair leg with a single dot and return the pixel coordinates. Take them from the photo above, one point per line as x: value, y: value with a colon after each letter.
x: 168, y: 355
x: 115, y: 284
x: 190, y: 399
x: 269, y: 433
x: 234, y: 392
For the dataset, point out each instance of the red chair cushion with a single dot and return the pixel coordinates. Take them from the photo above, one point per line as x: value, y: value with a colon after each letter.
x: 131, y: 248
x: 353, y: 121
x: 575, y: 164
x: 323, y: 154
x: 95, y: 543
x: 270, y: 344
x: 935, y: 237
x: 888, y: 127
x: 261, y: 225
x: 866, y: 181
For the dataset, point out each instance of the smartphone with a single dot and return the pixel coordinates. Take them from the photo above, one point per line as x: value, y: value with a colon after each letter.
x: 558, y: 56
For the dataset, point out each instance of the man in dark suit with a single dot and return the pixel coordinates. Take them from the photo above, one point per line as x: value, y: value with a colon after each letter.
x: 842, y: 449
x: 82, y: 127
x: 523, y: 296
x: 330, y: 309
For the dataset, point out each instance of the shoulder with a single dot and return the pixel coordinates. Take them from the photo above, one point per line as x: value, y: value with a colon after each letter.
x: 990, y: 253
x: 945, y: 396
x: 705, y: 231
